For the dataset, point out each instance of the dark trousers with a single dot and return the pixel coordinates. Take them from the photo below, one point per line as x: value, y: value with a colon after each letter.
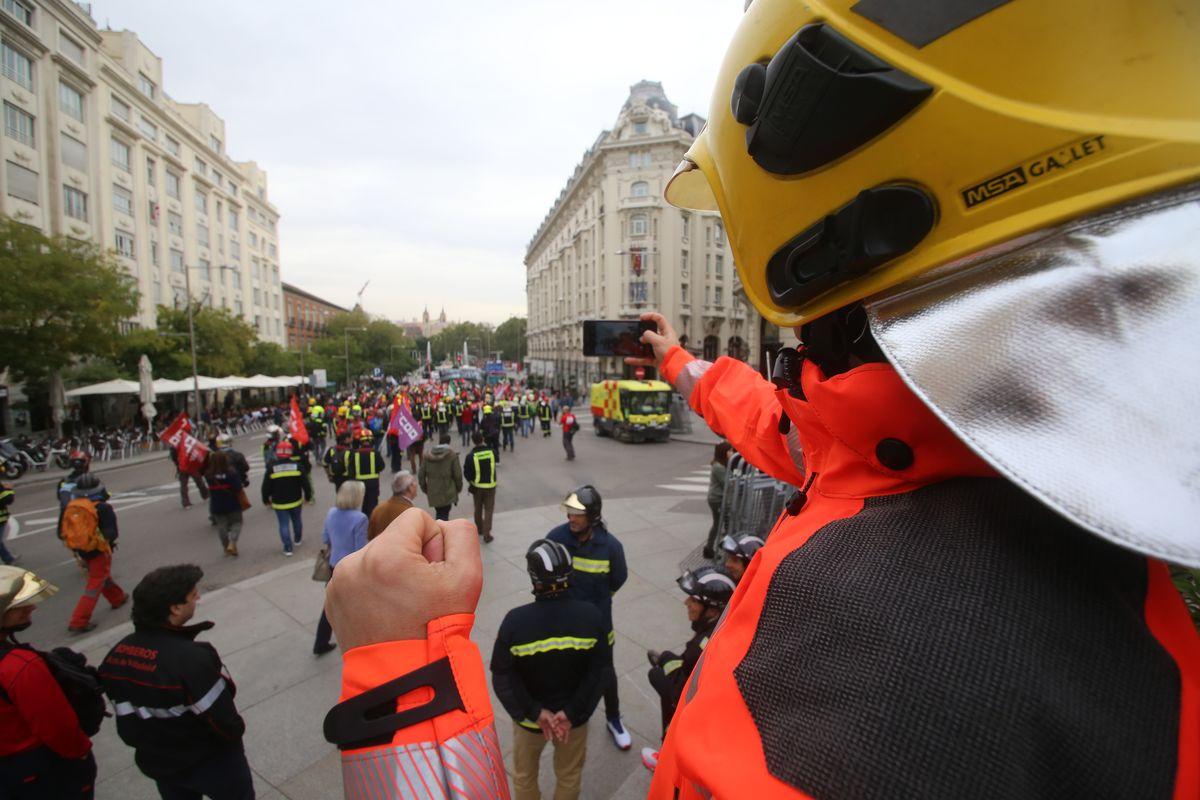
x: 223, y: 776
x: 371, y: 496
x: 41, y: 773
x: 442, y: 512
x: 612, y: 703
x: 183, y: 487
x: 508, y: 439
x: 485, y: 504
x: 569, y: 445
x: 395, y: 454
x: 710, y: 545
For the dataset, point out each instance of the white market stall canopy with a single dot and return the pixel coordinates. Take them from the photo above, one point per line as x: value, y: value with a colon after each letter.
x: 168, y: 386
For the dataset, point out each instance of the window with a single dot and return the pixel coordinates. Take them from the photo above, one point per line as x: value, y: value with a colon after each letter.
x: 258, y: 297
x: 637, y: 225
x: 174, y: 223
x: 217, y: 180
x: 683, y: 293
x: 148, y: 129
x: 70, y: 101
x: 151, y: 171
x: 637, y: 291
x: 707, y: 295
x: 214, y: 142
x: 71, y: 48
x: 154, y: 255
x: 119, y: 107
x: 220, y: 244
x: 274, y: 252
x: 640, y: 128
x: 708, y: 263
x: 172, y: 185
x: 634, y: 160
x: 22, y: 183
x: 177, y: 261
x: 201, y: 200
x: 718, y: 232
x: 146, y: 86
x: 235, y: 249
x: 17, y: 66
x: 18, y: 125
x: 124, y: 240
x: 75, y: 203
x: 683, y: 263
x: 686, y: 227
x: 718, y: 296
x: 21, y: 10
x: 202, y: 235
x: 233, y: 220
x: 205, y: 270
x: 720, y: 264
x: 238, y: 307
x: 74, y: 153
x: 253, y: 240
x: 255, y: 269
x: 119, y: 153
x: 122, y: 200
x: 172, y: 147
x: 640, y: 189
x: 200, y: 166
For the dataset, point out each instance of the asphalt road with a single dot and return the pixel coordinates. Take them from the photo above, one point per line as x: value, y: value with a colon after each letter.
x: 156, y: 530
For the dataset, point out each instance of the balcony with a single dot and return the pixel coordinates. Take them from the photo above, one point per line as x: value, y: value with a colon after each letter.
x: 638, y: 202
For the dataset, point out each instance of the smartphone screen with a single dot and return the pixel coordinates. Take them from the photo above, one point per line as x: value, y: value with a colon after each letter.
x: 616, y: 337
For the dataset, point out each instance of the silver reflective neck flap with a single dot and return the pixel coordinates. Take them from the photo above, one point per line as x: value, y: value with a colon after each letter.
x: 1070, y: 361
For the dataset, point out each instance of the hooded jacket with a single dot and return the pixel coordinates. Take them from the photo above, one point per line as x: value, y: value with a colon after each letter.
x: 441, y: 476
x: 173, y: 698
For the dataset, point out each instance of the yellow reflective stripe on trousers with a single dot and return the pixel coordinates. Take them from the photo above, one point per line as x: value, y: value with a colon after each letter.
x: 612, y: 638
x: 672, y: 665
x: 593, y: 565
x: 556, y: 643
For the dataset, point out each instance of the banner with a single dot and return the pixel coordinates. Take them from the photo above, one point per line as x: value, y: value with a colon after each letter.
x: 407, y: 429
x: 296, y: 427
x: 190, y: 451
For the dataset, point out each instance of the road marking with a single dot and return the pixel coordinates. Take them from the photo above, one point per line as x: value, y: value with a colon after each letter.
x: 16, y: 531
x: 692, y: 480
x: 683, y: 487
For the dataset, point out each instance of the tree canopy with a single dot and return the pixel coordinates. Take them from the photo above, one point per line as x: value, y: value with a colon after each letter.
x: 62, y: 300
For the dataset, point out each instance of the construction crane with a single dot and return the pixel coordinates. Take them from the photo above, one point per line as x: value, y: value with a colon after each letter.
x: 360, y: 293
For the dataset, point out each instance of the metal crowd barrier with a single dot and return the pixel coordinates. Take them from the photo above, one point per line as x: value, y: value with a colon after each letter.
x: 752, y: 502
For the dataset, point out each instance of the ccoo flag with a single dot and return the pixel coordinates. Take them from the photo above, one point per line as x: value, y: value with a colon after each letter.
x: 296, y: 427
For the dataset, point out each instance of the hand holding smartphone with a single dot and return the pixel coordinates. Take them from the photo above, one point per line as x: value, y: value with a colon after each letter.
x: 617, y: 337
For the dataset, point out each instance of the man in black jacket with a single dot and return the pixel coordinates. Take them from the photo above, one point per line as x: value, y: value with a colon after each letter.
x: 548, y: 666
x: 173, y: 697
x: 479, y: 470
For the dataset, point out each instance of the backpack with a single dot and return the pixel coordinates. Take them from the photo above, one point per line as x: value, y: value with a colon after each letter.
x: 81, y: 527
x: 78, y: 681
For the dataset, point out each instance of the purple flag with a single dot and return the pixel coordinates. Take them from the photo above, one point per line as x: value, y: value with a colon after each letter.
x: 408, y: 430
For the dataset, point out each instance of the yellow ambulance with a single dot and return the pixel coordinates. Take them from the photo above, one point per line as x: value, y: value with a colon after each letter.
x: 632, y: 411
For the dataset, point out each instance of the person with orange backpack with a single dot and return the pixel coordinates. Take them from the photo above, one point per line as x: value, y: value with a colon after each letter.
x: 89, y: 529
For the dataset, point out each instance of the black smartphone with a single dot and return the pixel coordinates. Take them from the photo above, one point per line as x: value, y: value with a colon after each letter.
x: 617, y: 337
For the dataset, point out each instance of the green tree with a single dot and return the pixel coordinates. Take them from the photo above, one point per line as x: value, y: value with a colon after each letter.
x: 62, y: 300
x: 509, y: 339
x: 370, y: 343
x: 224, y: 344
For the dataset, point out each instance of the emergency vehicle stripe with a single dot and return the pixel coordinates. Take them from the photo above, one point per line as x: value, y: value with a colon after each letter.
x: 555, y: 643
x: 593, y: 565
x: 199, y: 707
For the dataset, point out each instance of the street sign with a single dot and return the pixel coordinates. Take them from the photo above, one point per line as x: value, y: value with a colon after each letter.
x: 377, y: 372
x: 319, y: 379
x: 494, y: 367
x: 640, y: 373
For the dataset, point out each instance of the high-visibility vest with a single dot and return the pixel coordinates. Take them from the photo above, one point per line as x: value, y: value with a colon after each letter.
x: 442, y: 417
x: 507, y: 419
x: 5, y: 494
x: 485, y: 469
x: 358, y: 473
x: 426, y: 411
x: 523, y: 411
x: 544, y: 412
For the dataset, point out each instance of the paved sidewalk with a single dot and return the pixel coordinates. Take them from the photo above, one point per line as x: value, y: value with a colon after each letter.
x: 264, y: 632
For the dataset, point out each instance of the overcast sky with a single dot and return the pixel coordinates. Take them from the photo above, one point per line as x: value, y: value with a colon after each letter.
x: 418, y: 145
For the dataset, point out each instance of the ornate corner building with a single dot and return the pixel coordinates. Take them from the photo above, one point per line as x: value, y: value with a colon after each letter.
x: 611, y: 248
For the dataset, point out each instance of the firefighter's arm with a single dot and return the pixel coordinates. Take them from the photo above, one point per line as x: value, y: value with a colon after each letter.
x: 42, y: 705
x: 266, y: 486
x: 402, y: 608
x: 618, y: 572
x: 211, y: 691
x: 589, y: 690
x: 509, y: 687
x: 6, y: 495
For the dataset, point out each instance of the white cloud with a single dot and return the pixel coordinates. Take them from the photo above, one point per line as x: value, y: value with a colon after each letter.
x: 419, y: 145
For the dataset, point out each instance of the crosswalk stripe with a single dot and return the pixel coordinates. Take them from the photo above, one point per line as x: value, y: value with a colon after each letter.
x: 683, y: 487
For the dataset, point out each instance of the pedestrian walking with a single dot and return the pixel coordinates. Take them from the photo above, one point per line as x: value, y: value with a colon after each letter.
x: 441, y: 477
x: 599, y: 572
x: 570, y: 427
x: 236, y: 459
x: 404, y: 494
x: 184, y: 477
x: 489, y: 423
x: 545, y: 416
x: 508, y: 425
x: 89, y: 529
x: 479, y: 470
x: 226, y: 488
x: 363, y: 464
x: 285, y: 489
x: 548, y: 667
x: 44, y: 750
x: 345, y: 531
x: 717, y: 470
x: 173, y: 698
x: 7, y: 496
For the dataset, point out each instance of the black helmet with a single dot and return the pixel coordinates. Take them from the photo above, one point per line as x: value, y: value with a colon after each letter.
x: 742, y: 545
x: 549, y: 565
x: 709, y: 585
x: 584, y: 500
x: 88, y: 485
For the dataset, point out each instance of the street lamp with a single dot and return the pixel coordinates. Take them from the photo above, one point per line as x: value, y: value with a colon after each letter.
x: 346, y: 335
x: 187, y: 280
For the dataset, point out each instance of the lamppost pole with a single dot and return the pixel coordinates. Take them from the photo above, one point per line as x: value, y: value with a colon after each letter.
x: 187, y: 280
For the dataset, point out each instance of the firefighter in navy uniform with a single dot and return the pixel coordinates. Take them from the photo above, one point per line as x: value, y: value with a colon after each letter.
x: 991, y: 264
x: 737, y: 551
x: 335, y: 461
x: 365, y: 464
x: 708, y: 591
x: 508, y: 426
x: 545, y: 416
x: 548, y: 667
x: 600, y: 571
x: 441, y: 416
x: 479, y: 471
x: 285, y: 488
x: 524, y: 415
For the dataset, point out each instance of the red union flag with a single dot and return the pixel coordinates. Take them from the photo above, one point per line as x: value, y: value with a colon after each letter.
x: 296, y: 427
x: 190, y: 451
x: 406, y: 429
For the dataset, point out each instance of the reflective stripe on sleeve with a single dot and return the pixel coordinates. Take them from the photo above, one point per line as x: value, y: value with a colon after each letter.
x: 594, y: 566
x: 124, y: 709
x: 556, y: 643
x: 672, y: 665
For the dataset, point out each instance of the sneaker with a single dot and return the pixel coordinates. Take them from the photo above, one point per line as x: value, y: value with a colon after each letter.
x: 288, y: 553
x: 321, y: 650
x: 488, y: 538
x: 91, y: 626
x: 620, y: 736
x: 297, y: 541
x: 649, y: 758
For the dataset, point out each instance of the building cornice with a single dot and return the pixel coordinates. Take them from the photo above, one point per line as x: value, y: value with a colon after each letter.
x: 22, y: 36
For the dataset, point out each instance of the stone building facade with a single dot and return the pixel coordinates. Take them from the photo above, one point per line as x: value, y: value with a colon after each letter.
x: 307, y: 316
x: 612, y: 248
